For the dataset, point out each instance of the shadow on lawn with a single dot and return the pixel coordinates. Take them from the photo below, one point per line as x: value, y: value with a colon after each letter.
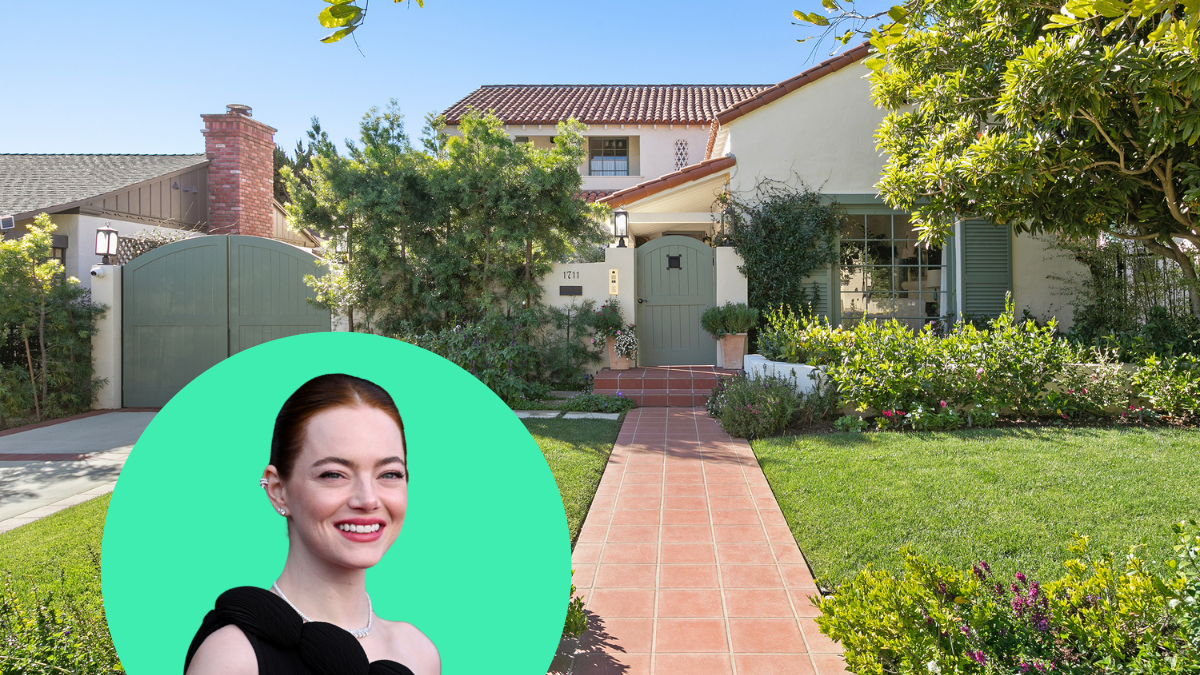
x: 1040, y: 433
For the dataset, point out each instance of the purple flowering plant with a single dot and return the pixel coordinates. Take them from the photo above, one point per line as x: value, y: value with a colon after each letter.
x: 1102, y: 616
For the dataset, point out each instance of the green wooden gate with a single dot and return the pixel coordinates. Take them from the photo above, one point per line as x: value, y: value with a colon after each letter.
x: 674, y: 286
x: 188, y: 305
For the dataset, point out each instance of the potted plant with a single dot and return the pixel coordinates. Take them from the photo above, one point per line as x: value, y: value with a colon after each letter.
x: 729, y: 323
x: 607, y: 322
x: 624, y: 347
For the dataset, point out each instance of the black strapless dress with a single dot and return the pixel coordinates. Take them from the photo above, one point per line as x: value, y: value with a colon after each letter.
x: 283, y: 643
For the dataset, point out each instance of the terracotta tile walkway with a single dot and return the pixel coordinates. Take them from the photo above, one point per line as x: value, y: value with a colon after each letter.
x: 686, y: 562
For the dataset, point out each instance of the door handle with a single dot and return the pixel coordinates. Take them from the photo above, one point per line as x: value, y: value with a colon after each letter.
x: 640, y: 301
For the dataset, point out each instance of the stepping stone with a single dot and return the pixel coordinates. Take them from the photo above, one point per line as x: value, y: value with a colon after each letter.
x: 537, y: 414
x: 591, y: 416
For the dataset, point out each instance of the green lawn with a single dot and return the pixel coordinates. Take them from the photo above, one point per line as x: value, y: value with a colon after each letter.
x: 1010, y: 497
x: 56, y: 552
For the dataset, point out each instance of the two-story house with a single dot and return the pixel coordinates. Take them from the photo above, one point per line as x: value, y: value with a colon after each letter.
x: 664, y: 154
x: 635, y: 132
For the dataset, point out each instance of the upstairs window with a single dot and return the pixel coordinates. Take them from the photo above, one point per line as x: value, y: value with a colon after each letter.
x: 608, y: 156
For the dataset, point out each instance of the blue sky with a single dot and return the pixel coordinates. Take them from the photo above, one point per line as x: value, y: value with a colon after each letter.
x: 134, y: 77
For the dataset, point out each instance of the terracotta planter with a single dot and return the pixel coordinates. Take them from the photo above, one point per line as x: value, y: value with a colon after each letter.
x: 733, y: 347
x: 615, y: 360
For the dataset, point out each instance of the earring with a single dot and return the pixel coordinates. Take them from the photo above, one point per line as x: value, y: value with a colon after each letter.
x: 282, y: 512
x: 262, y: 483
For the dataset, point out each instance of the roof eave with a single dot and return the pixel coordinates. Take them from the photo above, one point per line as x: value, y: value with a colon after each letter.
x: 685, y: 175
x: 790, y: 85
x: 58, y: 208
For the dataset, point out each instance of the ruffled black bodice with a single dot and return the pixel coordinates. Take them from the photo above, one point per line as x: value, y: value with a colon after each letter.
x: 283, y: 643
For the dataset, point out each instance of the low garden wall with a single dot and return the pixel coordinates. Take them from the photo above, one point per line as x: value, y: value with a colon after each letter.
x: 807, y: 377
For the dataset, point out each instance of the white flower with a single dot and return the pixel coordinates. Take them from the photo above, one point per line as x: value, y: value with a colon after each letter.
x: 932, y: 666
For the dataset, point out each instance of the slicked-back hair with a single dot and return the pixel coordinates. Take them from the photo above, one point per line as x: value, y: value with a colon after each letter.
x: 322, y: 393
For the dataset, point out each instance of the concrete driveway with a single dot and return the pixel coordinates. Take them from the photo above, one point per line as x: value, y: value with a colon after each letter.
x: 48, y: 469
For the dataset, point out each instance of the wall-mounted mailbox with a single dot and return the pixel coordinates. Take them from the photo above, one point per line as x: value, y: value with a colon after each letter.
x: 570, y: 290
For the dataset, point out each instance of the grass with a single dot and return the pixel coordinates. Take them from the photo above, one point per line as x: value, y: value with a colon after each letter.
x: 56, y: 552
x: 1012, y: 497
x: 577, y: 451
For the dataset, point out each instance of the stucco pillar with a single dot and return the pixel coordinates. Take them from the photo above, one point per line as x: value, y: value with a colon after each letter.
x: 106, y: 343
x: 624, y: 262
x: 731, y: 284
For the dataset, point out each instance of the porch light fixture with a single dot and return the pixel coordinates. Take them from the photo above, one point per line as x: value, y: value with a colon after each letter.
x: 106, y: 243
x: 621, y: 226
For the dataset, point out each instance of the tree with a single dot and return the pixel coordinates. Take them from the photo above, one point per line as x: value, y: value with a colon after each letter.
x: 1075, y: 121
x: 444, y: 232
x: 300, y: 160
x: 346, y: 16
x: 52, y: 316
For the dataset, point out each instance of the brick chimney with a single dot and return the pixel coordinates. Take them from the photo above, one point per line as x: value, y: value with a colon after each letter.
x: 241, y: 173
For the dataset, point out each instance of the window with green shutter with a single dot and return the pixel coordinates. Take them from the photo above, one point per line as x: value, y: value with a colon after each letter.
x: 986, y: 268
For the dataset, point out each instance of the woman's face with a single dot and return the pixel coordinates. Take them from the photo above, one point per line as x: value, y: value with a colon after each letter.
x: 348, y: 490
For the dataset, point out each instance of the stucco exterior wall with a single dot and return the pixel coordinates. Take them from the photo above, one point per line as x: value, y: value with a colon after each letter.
x: 593, y: 277
x: 823, y: 133
x: 1043, y: 278
x: 106, y: 343
x: 651, y: 149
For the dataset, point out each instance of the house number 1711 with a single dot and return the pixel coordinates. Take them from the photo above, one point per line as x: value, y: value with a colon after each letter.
x: 570, y: 275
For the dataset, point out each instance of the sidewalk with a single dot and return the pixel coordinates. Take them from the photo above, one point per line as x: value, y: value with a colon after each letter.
x: 687, y: 564
x: 46, y: 469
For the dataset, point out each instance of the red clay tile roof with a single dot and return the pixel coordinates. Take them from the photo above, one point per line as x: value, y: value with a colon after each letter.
x: 595, y: 195
x: 605, y: 103
x: 685, y: 175
x: 736, y: 110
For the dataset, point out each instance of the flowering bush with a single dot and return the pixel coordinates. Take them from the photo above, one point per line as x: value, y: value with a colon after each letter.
x: 756, y: 408
x: 625, y: 342
x: 607, y: 321
x: 1101, y: 617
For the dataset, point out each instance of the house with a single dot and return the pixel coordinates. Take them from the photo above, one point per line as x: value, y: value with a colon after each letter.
x: 225, y: 190
x: 816, y: 128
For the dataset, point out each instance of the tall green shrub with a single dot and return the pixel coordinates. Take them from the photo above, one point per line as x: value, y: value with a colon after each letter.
x: 49, y: 319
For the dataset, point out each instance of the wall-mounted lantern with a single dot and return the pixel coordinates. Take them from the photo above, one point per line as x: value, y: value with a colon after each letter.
x: 106, y: 243
x: 621, y: 226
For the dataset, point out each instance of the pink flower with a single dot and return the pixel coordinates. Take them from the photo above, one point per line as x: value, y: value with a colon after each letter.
x: 887, y: 413
x: 942, y: 403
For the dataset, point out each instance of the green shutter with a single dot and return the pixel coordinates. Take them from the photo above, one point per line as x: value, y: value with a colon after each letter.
x: 986, y: 267
x: 818, y: 282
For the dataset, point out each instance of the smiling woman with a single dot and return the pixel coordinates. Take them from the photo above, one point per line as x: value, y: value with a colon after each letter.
x: 339, y: 475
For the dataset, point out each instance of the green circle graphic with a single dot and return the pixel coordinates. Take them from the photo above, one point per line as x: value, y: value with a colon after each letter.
x: 482, y: 565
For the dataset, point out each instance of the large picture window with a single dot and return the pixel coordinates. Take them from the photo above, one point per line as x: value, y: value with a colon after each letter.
x: 886, y: 273
x: 608, y: 156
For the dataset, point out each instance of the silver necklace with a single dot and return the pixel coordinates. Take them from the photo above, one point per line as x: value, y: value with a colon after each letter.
x: 359, y: 633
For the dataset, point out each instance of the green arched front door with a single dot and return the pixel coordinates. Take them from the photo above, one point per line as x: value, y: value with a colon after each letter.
x: 675, y: 286
x: 188, y: 305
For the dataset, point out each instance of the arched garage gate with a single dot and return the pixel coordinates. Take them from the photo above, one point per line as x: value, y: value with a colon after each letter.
x: 190, y: 304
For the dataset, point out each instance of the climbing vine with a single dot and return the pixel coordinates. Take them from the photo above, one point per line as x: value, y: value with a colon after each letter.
x: 783, y: 233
